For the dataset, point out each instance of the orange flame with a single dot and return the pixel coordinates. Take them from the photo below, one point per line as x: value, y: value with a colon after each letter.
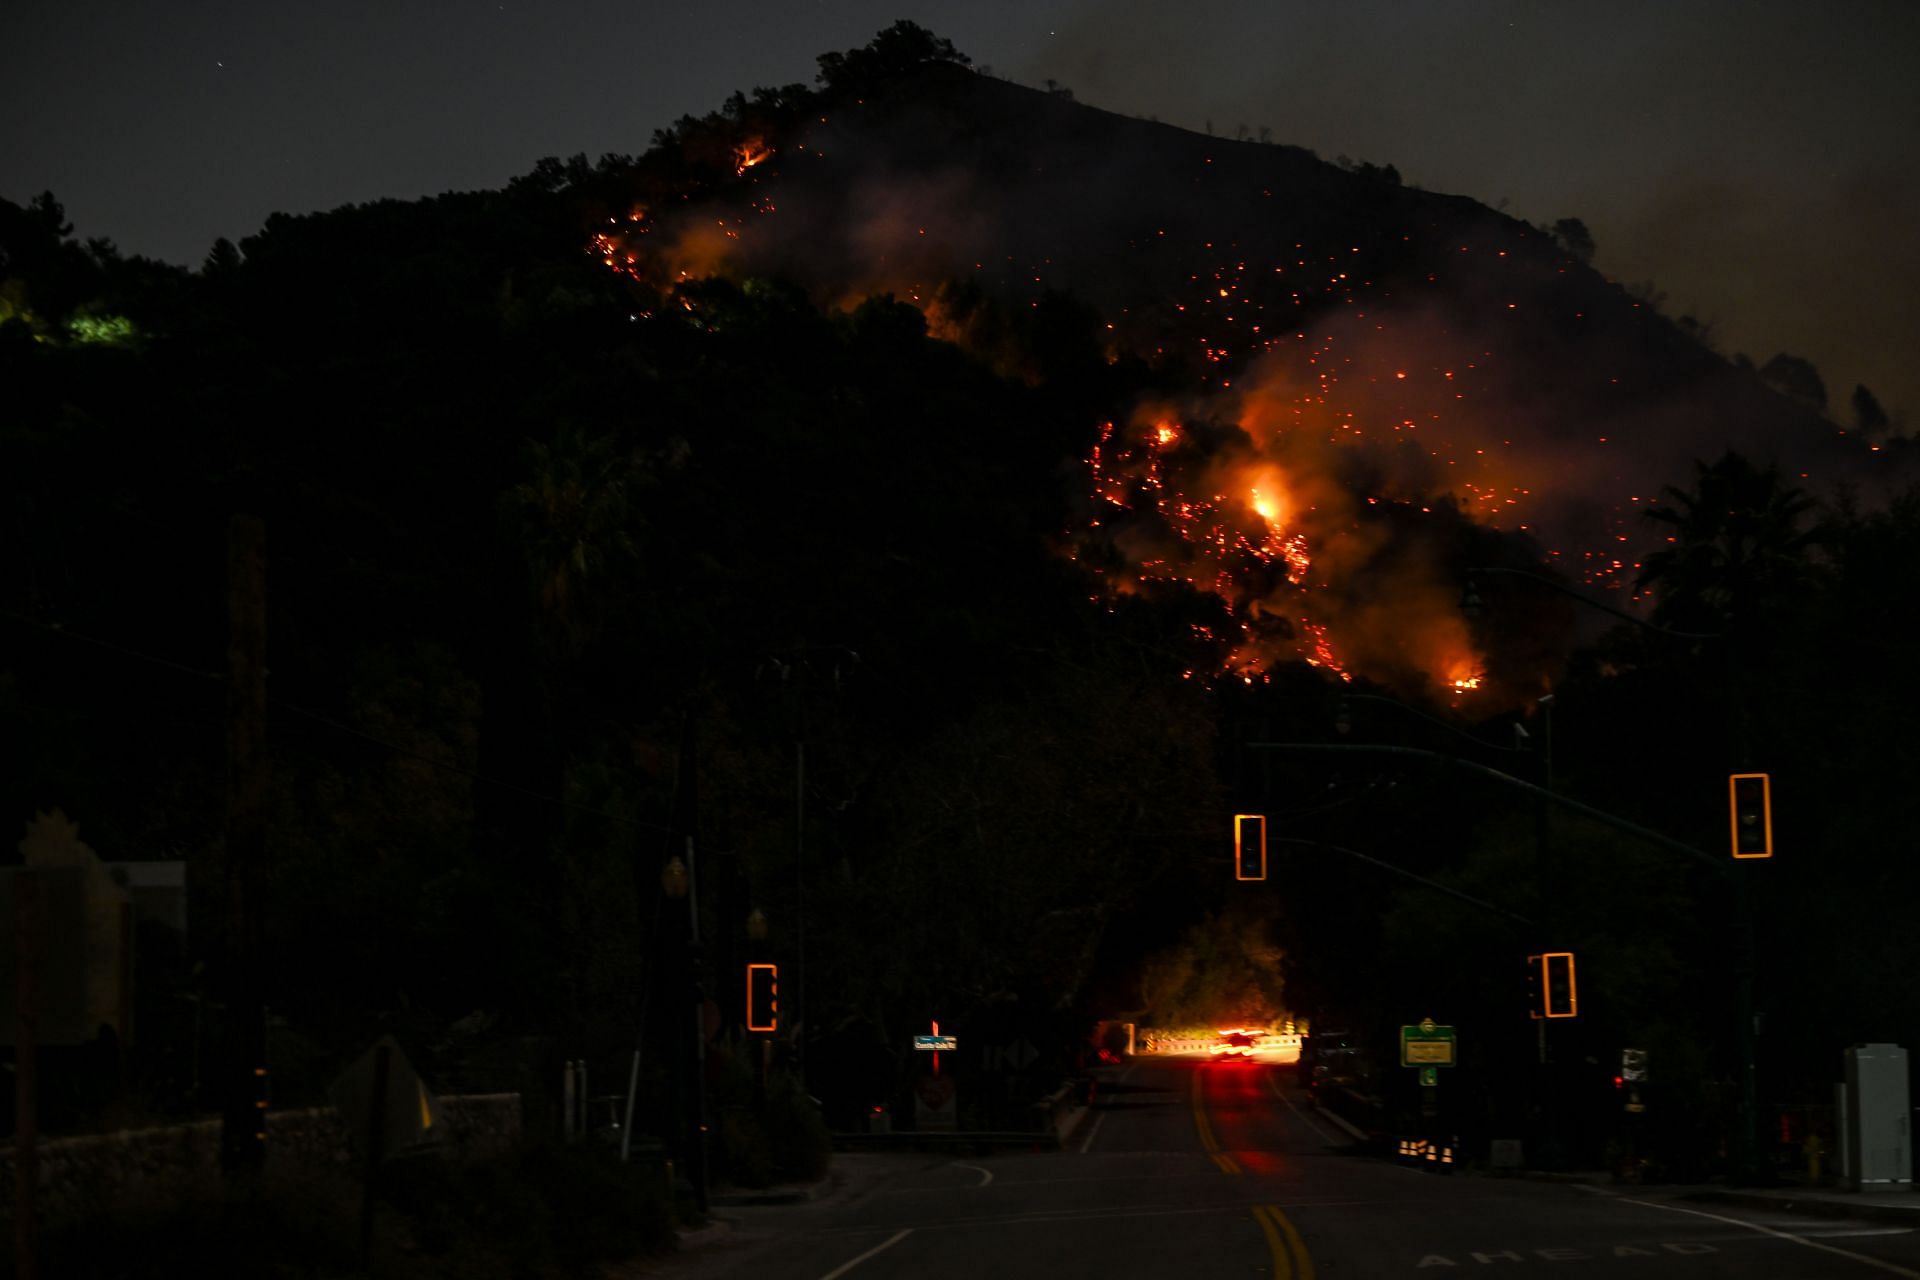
x: 750, y: 153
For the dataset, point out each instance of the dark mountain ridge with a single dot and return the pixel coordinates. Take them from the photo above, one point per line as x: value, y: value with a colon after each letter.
x: 943, y: 174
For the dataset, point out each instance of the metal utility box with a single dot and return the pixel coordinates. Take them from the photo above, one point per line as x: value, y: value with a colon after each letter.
x: 1877, y: 1149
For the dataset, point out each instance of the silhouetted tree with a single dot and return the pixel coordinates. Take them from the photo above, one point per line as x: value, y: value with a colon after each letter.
x: 1795, y: 376
x: 896, y: 50
x: 1869, y: 419
x: 1739, y: 544
x: 1572, y: 235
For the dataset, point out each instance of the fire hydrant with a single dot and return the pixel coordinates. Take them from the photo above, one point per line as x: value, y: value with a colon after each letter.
x: 1813, y: 1149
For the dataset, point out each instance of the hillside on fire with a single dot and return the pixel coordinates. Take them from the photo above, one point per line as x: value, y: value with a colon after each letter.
x: 908, y: 495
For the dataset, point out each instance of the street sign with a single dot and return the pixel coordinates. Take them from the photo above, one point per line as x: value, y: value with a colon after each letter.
x: 936, y: 1043
x: 386, y: 1106
x: 936, y: 1109
x: 1430, y: 1076
x: 1426, y: 1044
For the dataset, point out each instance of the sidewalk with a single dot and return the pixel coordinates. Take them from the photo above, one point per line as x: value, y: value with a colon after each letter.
x: 1901, y: 1207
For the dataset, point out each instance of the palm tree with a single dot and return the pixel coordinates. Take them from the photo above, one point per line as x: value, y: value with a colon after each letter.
x: 1738, y: 546
x: 575, y: 514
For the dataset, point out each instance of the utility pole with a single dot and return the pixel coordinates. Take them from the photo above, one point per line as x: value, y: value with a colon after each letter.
x: 243, y: 1077
x: 28, y: 925
x: 800, y: 1011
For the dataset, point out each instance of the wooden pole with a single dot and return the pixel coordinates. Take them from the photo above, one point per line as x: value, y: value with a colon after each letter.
x: 376, y: 1148
x: 26, y: 1129
x: 244, y: 1081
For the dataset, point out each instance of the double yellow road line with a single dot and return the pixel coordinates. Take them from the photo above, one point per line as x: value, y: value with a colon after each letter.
x: 1290, y: 1258
x: 1205, y: 1127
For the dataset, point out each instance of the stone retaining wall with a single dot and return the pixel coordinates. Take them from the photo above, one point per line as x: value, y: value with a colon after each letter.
x: 82, y: 1177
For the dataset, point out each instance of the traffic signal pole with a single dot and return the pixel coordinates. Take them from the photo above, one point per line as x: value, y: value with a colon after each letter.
x: 1634, y: 829
x: 1747, y: 1153
x: 1747, y: 1132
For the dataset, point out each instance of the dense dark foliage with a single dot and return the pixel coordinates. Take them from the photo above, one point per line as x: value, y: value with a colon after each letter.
x: 561, y: 574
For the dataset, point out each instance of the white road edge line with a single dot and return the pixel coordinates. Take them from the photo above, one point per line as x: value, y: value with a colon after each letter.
x: 986, y: 1176
x: 884, y: 1245
x: 1871, y: 1231
x: 1325, y: 1136
x: 1102, y: 1117
x: 1861, y: 1258
x: 1092, y: 1129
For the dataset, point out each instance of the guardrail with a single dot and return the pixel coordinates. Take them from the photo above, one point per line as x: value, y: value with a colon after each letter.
x: 1158, y: 1044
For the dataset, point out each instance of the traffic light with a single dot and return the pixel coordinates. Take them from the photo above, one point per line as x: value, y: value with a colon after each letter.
x: 1250, y: 846
x: 1551, y: 991
x: 763, y: 997
x: 1562, y: 998
x: 1750, y: 802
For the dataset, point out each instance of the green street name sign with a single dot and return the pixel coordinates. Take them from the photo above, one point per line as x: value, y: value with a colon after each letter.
x: 1426, y: 1044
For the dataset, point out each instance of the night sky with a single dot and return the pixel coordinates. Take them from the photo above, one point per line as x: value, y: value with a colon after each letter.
x: 1755, y: 159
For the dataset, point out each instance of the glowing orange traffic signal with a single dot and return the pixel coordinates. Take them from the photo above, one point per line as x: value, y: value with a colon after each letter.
x: 1557, y: 995
x: 763, y: 997
x: 1250, y: 846
x: 1750, y: 810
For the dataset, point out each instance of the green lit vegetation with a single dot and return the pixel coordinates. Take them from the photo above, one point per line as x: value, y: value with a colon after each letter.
x: 92, y: 330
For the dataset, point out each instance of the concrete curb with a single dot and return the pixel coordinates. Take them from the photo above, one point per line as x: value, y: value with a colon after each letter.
x: 1543, y: 1175
x: 796, y: 1193
x: 700, y: 1237
x: 1816, y: 1206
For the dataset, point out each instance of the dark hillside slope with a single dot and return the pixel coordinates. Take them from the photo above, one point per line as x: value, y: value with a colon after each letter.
x: 1544, y: 396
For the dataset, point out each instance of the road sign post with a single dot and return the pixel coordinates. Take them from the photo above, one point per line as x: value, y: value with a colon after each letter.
x: 1427, y: 1044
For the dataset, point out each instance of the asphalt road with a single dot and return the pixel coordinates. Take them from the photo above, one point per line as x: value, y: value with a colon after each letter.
x: 1194, y: 1170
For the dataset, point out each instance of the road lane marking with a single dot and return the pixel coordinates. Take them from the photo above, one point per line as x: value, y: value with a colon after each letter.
x: 1205, y: 1128
x: 1091, y: 1130
x: 985, y: 1175
x: 1861, y: 1258
x: 1589, y: 1253
x: 1870, y: 1231
x: 1102, y: 1117
x: 1282, y: 1268
x: 1274, y: 1085
x: 1052, y: 1216
x: 1302, y: 1260
x: 882, y: 1247
x: 1291, y: 1261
